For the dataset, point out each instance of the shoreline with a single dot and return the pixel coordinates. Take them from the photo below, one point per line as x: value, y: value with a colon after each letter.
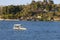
x: 27, y: 20
x: 9, y: 19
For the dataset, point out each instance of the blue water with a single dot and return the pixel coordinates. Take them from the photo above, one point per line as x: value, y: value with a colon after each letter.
x: 36, y: 30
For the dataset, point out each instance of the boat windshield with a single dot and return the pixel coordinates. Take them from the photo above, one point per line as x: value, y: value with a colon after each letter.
x: 17, y: 25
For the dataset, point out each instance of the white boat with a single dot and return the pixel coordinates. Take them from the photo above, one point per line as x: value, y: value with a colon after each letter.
x: 19, y: 27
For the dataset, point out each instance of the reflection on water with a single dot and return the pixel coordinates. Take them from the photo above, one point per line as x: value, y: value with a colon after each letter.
x: 35, y: 30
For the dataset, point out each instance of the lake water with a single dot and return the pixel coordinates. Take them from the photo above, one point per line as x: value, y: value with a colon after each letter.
x: 36, y: 30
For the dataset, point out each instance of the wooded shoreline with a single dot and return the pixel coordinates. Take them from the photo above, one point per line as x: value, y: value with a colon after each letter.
x: 35, y: 11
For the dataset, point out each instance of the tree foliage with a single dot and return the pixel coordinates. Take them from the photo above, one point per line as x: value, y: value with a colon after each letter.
x: 30, y: 10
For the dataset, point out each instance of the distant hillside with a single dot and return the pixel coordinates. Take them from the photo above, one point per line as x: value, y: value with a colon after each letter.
x: 42, y: 11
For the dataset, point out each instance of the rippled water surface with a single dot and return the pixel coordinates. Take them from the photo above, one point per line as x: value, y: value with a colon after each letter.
x: 35, y: 30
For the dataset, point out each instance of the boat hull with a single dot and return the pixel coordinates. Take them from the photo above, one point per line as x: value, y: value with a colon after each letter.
x: 19, y: 28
